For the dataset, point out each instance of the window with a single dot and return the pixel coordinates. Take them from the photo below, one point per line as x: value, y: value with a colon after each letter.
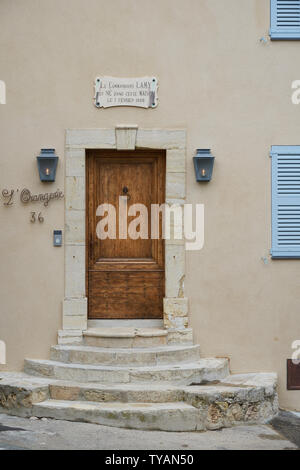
x: 285, y: 201
x: 285, y: 19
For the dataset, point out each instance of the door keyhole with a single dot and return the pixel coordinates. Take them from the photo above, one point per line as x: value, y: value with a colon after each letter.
x: 125, y: 192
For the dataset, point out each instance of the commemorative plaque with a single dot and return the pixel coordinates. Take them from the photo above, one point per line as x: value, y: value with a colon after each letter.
x: 139, y: 92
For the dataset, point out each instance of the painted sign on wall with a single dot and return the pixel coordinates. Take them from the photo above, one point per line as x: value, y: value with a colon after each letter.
x: 26, y: 196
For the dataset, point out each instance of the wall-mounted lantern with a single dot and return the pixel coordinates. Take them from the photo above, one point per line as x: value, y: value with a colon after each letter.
x: 203, y: 163
x: 47, y: 164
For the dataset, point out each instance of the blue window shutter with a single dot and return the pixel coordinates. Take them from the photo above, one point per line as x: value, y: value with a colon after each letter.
x: 285, y: 201
x: 285, y: 19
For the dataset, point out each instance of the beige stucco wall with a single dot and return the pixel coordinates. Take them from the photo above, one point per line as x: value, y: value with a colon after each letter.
x: 216, y: 79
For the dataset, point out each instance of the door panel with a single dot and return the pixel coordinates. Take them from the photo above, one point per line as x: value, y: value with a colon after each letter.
x: 112, y: 176
x: 133, y: 294
x: 125, y: 277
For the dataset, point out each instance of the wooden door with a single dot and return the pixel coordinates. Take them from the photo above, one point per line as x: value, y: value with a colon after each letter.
x: 125, y: 276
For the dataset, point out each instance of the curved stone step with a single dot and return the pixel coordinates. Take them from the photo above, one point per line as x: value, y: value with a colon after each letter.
x: 232, y: 389
x: 240, y: 389
x: 178, y: 416
x: 123, y: 357
x: 125, y: 337
x: 148, y: 416
x: 201, y: 371
x: 125, y: 393
x: 238, y: 399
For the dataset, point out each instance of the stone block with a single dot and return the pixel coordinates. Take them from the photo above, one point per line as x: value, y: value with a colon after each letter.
x: 75, y: 227
x: 74, y: 322
x: 69, y: 336
x: 141, y: 341
x: 75, y: 193
x: 174, y: 224
x: 91, y: 138
x: 75, y: 307
x: 60, y: 392
x: 180, y: 336
x: 74, y: 271
x: 176, y: 307
x: 174, y: 270
x: 176, y: 161
x: 161, y: 138
x: 175, y: 185
x: 126, y: 137
x: 75, y: 162
x: 175, y: 322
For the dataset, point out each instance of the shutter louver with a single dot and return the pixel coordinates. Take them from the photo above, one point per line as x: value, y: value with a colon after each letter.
x: 285, y: 202
x: 285, y: 19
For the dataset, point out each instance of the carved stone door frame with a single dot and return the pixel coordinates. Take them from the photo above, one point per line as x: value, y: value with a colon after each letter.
x: 125, y: 137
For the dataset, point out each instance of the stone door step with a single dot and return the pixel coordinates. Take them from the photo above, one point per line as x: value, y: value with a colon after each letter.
x: 125, y: 337
x: 148, y: 416
x: 125, y: 332
x: 124, y: 357
x: 185, y: 373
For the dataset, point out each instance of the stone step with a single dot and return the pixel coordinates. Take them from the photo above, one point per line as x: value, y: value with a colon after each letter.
x: 185, y: 373
x: 178, y: 416
x: 124, y: 357
x: 234, y: 388
x: 248, y: 387
x: 125, y: 337
x: 237, y: 399
x: 125, y: 393
x: 148, y: 416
